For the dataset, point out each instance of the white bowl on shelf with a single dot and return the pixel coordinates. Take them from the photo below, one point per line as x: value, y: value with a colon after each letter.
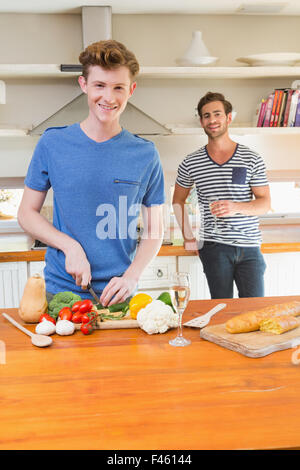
x: 271, y: 59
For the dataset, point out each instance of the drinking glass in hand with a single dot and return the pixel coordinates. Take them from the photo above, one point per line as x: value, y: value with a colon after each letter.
x: 180, y: 294
x: 212, y: 199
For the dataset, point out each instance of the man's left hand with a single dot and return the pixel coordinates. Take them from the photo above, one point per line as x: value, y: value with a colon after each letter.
x: 117, y: 290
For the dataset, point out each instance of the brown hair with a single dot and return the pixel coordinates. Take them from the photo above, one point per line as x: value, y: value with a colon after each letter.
x: 212, y: 96
x: 109, y: 55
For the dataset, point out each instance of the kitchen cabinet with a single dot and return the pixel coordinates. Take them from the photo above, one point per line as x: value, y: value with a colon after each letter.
x: 282, y: 275
x: 13, y: 277
x: 193, y: 266
x: 155, y: 278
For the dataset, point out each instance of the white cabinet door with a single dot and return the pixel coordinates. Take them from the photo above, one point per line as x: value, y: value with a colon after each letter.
x: 36, y: 267
x: 155, y: 278
x: 282, y: 275
x: 13, y: 277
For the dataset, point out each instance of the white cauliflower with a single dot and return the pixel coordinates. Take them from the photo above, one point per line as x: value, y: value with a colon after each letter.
x: 157, y: 317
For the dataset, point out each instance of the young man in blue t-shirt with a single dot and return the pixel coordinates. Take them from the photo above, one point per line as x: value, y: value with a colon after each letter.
x: 102, y: 176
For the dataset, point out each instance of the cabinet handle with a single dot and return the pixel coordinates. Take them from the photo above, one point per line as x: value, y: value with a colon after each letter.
x: 159, y: 273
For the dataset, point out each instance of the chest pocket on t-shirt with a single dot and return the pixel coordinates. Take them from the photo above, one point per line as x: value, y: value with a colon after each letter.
x: 129, y: 188
x: 239, y: 174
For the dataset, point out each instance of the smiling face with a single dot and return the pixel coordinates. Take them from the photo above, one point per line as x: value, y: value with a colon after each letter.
x: 107, y: 92
x: 214, y: 120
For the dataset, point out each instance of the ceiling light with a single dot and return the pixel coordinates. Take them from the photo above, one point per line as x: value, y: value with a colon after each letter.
x: 260, y: 8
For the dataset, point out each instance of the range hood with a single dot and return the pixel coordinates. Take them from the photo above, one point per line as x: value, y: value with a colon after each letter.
x: 133, y: 119
x: 97, y: 25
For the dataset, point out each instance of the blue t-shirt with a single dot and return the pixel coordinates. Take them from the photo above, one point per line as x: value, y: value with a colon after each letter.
x: 98, y: 190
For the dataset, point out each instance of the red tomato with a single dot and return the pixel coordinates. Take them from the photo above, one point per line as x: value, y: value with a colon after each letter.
x: 86, y: 329
x: 76, y: 317
x: 88, y: 317
x: 76, y: 306
x: 45, y: 316
x: 86, y: 306
x: 65, y: 314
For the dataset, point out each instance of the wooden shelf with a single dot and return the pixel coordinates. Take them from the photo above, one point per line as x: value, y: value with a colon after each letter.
x: 34, y: 71
x: 53, y: 71
x: 236, y: 130
x: 11, y: 132
x: 219, y: 72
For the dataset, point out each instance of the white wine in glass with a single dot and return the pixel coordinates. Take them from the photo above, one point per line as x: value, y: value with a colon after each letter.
x: 212, y: 199
x: 180, y: 294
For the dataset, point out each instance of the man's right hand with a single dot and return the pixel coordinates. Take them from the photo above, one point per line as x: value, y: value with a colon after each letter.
x: 191, y: 245
x: 77, y: 264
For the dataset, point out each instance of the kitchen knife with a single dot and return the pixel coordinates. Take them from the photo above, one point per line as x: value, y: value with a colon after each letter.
x: 92, y: 292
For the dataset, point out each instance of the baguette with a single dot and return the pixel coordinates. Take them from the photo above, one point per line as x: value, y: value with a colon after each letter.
x: 279, y: 325
x: 250, y: 321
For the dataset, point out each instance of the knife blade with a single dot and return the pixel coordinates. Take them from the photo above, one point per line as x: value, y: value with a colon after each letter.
x: 93, y: 293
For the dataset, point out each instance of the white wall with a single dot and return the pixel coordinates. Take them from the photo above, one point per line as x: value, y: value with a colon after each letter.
x: 156, y: 40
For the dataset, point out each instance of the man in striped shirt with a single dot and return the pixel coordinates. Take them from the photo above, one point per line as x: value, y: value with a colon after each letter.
x: 232, y: 190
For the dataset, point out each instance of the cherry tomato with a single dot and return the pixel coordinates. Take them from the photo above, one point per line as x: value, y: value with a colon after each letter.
x: 86, y: 306
x: 65, y: 314
x: 88, y: 317
x: 76, y: 318
x: 86, y: 329
x: 76, y: 306
x: 45, y: 316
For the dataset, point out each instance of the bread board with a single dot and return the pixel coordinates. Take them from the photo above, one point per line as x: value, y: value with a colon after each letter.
x: 253, y: 344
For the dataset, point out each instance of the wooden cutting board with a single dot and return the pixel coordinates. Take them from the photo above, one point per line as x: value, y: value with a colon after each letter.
x: 253, y: 344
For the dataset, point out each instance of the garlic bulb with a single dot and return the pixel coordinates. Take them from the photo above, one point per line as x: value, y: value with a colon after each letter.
x: 46, y: 327
x: 65, y: 327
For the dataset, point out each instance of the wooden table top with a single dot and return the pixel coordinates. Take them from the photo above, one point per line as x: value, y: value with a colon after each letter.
x: 125, y: 389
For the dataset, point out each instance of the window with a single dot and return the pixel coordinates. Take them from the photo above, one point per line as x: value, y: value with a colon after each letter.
x: 9, y: 203
x: 285, y: 199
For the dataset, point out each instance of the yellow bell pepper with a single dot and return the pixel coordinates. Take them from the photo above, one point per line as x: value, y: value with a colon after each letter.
x: 138, y: 302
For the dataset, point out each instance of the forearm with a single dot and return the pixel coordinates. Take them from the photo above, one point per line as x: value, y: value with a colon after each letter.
x: 146, y: 251
x: 40, y: 228
x: 258, y: 206
x: 183, y: 221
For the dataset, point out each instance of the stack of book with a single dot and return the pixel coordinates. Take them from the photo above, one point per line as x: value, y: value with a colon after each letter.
x: 280, y: 109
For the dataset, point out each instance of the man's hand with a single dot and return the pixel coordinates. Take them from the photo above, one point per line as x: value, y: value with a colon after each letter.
x: 191, y: 245
x: 117, y: 290
x: 224, y: 208
x: 77, y: 264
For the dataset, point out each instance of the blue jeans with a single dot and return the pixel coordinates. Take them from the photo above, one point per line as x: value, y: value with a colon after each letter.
x: 225, y: 264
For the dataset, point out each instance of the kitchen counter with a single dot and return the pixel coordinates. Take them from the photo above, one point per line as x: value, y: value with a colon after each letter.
x: 125, y: 389
x: 276, y: 239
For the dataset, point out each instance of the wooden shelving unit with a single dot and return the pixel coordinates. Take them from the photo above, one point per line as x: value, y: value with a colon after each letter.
x: 236, y: 130
x: 35, y: 71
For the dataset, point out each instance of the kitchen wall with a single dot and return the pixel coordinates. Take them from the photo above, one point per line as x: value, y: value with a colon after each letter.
x: 156, y: 40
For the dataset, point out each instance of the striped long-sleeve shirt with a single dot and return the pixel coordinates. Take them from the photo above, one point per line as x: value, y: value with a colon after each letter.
x: 232, y: 181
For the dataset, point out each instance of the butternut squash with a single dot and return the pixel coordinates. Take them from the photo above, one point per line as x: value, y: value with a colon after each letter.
x: 33, y: 303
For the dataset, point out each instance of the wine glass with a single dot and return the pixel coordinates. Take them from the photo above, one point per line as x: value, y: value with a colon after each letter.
x: 212, y: 199
x: 180, y: 294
